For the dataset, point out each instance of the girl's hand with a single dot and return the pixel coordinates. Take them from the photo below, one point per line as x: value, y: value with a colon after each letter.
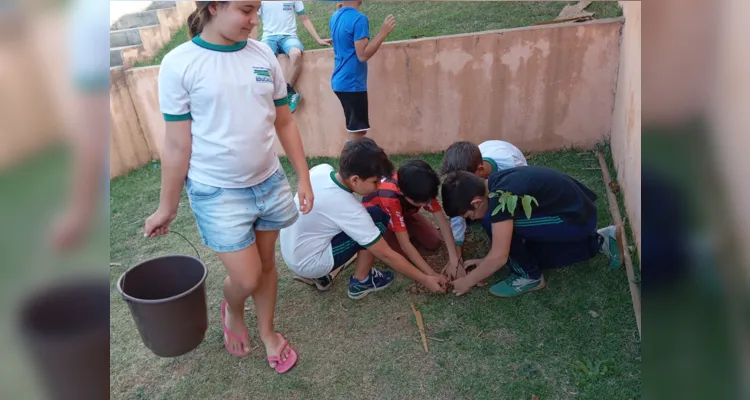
x: 158, y: 223
x: 305, y: 194
x: 461, y: 286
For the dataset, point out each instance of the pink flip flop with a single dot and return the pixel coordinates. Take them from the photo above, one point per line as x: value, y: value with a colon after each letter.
x: 291, y: 359
x: 231, y: 334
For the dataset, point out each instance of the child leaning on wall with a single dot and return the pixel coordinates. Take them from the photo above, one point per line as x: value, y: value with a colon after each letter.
x: 224, y: 99
x: 490, y: 156
x: 340, y: 227
x: 352, y: 48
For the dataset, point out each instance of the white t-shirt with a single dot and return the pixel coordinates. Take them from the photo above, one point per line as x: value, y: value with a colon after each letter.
x: 306, y: 245
x: 280, y: 17
x: 231, y: 94
x: 501, y: 156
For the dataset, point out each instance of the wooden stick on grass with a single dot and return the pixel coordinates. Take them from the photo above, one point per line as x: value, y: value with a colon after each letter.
x: 420, y: 325
x: 614, y: 209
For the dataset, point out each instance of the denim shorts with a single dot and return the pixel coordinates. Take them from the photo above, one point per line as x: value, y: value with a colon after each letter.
x: 228, y: 218
x: 282, y: 43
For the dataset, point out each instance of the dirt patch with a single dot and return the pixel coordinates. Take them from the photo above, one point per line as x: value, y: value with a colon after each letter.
x: 437, y: 260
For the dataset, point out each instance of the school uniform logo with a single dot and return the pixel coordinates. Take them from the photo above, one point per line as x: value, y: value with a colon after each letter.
x: 262, y: 74
x: 288, y: 6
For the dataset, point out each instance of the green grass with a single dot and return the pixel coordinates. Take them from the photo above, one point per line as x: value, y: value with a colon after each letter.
x: 481, y: 347
x: 425, y: 19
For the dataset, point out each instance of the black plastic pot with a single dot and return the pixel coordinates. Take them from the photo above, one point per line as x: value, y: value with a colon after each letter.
x: 65, y: 329
x: 167, y: 299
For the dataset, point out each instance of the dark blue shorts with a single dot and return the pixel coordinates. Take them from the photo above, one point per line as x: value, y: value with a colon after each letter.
x: 344, y: 247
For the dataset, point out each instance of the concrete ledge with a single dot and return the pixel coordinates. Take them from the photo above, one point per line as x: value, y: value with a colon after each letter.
x: 125, y: 37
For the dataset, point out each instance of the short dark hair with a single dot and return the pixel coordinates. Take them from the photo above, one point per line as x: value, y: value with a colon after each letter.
x: 364, y: 158
x: 418, y: 181
x: 458, y: 190
x: 461, y: 156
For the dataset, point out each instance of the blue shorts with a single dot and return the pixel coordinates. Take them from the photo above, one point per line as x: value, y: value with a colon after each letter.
x: 282, y: 43
x: 228, y: 218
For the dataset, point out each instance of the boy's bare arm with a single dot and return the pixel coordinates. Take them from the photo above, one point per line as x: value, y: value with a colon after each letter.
x: 311, y: 28
x: 447, y: 233
x: 382, y: 251
x: 502, y: 233
x: 366, y: 48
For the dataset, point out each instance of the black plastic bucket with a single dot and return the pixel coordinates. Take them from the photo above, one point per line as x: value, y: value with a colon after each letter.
x: 167, y: 299
x: 65, y: 329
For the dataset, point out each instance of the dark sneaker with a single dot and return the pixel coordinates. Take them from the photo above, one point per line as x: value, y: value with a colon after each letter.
x: 516, y: 285
x: 608, y: 245
x: 294, y: 100
x: 323, y: 283
x: 377, y: 280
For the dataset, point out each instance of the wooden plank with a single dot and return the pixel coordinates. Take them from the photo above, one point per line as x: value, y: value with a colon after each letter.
x: 420, y: 325
x: 614, y: 209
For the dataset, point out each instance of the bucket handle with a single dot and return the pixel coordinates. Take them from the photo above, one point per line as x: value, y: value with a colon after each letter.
x: 189, y: 242
x: 121, y: 284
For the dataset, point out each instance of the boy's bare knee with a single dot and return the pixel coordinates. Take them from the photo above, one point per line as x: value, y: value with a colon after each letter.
x: 295, y: 55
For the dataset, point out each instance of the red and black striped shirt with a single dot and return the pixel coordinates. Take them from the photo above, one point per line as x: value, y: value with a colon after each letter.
x: 389, y: 198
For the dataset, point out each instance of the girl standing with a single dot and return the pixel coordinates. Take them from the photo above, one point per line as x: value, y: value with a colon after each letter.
x: 223, y: 98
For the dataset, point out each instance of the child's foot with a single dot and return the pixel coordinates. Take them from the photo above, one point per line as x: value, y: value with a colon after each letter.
x: 294, y: 100
x: 608, y: 245
x: 377, y: 280
x: 236, y: 339
x: 323, y: 283
x: 280, y: 355
x: 515, y: 285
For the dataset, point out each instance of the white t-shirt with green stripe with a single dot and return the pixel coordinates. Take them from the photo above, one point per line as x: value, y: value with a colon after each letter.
x: 230, y: 93
x: 306, y: 245
x: 280, y: 17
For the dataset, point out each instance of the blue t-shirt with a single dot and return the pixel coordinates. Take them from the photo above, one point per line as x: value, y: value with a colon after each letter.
x: 347, y: 26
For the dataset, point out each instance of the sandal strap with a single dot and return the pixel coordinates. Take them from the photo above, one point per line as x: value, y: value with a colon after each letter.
x: 277, y: 358
x: 228, y: 332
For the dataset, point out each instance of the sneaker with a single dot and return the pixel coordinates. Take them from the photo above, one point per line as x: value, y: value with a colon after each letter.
x: 515, y: 285
x: 377, y: 280
x: 323, y: 283
x: 294, y: 100
x: 608, y: 245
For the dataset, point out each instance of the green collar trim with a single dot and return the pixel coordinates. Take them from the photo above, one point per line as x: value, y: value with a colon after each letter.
x: 492, y: 163
x: 216, y: 47
x: 339, y: 184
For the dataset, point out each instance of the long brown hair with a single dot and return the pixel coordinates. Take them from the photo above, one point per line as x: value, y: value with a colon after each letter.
x: 200, y: 17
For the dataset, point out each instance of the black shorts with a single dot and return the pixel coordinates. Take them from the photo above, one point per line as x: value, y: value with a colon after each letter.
x: 355, y: 110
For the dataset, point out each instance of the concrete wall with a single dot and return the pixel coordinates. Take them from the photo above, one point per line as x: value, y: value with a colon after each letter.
x: 128, y: 148
x: 154, y: 38
x: 541, y: 88
x: 626, y: 120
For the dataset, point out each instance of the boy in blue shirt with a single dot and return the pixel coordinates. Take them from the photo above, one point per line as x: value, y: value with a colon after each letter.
x: 352, y: 47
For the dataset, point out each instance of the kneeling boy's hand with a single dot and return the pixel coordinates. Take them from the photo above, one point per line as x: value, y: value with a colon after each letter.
x: 435, y: 283
x: 461, y: 286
